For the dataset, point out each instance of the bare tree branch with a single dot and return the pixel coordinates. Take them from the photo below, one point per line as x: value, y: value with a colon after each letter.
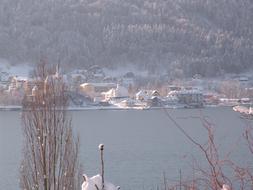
x: 50, y: 153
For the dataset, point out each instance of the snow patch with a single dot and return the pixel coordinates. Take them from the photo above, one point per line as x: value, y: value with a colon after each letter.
x: 226, y: 187
x: 95, y: 183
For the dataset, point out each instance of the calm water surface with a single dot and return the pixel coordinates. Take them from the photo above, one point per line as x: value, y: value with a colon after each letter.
x: 139, y: 145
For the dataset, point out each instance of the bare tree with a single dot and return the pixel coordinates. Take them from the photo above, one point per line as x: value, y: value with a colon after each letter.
x: 215, y: 175
x: 212, y: 177
x: 50, y: 152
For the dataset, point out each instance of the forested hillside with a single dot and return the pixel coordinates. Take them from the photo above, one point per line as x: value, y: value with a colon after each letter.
x: 208, y: 37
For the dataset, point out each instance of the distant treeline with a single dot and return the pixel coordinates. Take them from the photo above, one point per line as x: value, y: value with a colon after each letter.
x: 185, y: 37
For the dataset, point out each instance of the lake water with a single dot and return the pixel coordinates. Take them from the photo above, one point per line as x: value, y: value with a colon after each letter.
x: 139, y: 145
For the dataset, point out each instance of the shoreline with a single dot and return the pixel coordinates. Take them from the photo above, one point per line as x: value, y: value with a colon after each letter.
x: 19, y: 108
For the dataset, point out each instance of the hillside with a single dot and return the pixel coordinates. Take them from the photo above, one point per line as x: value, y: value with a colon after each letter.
x: 183, y: 37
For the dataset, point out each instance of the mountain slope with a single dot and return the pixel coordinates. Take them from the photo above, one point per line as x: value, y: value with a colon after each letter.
x: 208, y: 37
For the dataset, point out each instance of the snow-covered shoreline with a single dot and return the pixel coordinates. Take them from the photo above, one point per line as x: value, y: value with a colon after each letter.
x: 10, y: 108
x: 91, y: 108
x: 19, y: 108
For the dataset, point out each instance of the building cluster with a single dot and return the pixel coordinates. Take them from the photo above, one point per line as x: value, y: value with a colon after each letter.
x: 92, y: 87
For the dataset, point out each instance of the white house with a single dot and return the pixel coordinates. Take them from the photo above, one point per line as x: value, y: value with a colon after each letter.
x: 144, y: 95
x: 94, y: 90
x: 119, y: 92
x: 188, y: 97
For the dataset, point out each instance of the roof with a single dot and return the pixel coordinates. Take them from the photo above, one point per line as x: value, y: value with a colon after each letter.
x: 109, y: 92
x: 18, y: 78
x: 99, y: 84
x: 118, y: 92
x: 182, y: 92
x: 141, y: 93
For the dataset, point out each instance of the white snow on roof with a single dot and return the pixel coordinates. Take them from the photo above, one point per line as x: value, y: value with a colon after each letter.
x: 98, y: 84
x: 175, y: 92
x: 141, y: 93
x: 110, y: 92
x: 120, y: 91
x: 19, y: 78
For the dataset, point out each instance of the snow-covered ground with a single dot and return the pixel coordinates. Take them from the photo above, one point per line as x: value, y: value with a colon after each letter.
x: 95, y: 183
